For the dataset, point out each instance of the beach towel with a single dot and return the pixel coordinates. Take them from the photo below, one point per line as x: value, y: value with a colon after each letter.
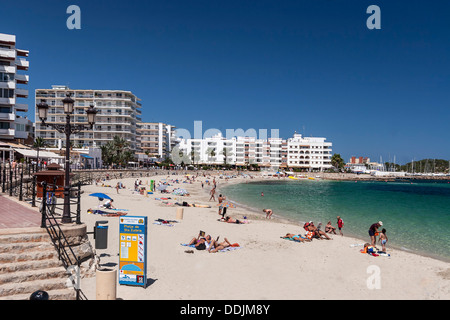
x: 105, y: 213
x: 292, y: 239
x: 230, y: 248
x: 165, y: 222
x: 187, y: 245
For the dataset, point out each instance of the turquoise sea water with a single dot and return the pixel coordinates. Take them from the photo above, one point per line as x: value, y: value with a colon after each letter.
x: 415, y: 215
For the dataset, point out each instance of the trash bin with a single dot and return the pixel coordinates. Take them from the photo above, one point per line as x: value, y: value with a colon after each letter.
x: 179, y: 213
x: 101, y: 234
x: 106, y: 284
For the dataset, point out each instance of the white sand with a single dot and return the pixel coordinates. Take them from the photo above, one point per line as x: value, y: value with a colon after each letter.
x: 265, y: 267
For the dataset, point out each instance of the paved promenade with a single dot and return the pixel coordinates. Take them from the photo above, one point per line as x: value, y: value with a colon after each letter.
x: 15, y: 214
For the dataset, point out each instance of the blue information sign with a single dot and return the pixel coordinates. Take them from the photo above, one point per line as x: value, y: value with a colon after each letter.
x: 133, y: 250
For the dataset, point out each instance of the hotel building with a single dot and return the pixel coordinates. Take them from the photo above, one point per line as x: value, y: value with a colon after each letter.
x: 118, y: 115
x: 308, y: 153
x: 155, y: 140
x: 12, y: 61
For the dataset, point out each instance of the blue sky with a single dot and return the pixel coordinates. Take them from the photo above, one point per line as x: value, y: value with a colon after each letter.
x: 306, y: 66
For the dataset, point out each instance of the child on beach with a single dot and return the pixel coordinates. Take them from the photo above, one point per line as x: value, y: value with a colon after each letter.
x: 340, y: 224
x: 268, y: 213
x: 383, y: 239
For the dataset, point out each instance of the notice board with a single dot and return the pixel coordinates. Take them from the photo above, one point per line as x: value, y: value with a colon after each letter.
x: 133, y: 251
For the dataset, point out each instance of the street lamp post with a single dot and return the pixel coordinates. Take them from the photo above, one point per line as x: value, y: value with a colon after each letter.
x: 67, y: 129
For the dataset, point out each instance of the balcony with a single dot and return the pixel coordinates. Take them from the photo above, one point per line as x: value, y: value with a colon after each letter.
x: 9, y: 54
x: 23, y: 53
x: 8, y: 69
x: 8, y: 84
x: 22, y: 78
x: 7, y: 116
x: 7, y: 100
x: 22, y: 64
x: 21, y: 93
x: 7, y: 133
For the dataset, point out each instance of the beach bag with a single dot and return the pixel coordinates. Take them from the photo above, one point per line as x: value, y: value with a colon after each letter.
x: 201, y: 246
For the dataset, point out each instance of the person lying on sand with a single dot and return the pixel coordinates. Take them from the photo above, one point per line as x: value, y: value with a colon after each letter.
x: 201, y: 242
x: 216, y: 246
x: 231, y: 220
x: 295, y: 237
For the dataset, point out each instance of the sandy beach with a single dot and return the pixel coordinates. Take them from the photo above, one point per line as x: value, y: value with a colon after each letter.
x: 264, y: 267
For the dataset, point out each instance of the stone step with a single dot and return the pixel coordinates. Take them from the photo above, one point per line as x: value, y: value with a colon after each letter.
x: 24, y: 237
x: 59, y: 294
x: 19, y: 247
x: 29, y: 265
x: 31, y: 275
x: 27, y: 256
x: 28, y: 287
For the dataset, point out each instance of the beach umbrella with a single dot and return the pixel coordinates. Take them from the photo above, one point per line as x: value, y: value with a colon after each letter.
x: 100, y: 196
x: 227, y: 204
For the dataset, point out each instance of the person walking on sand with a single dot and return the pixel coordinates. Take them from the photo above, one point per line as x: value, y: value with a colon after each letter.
x: 221, y: 198
x: 340, y: 224
x: 373, y: 232
x: 213, y: 192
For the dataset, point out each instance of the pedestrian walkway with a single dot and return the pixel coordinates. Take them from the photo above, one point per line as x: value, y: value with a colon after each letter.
x: 14, y: 214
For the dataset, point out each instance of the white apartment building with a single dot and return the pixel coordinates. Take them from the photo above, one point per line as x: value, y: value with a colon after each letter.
x: 309, y: 154
x: 155, y: 139
x: 313, y: 154
x: 212, y: 150
x: 12, y: 125
x: 118, y: 115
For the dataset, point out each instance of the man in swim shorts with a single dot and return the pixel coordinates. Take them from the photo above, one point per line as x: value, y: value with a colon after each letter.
x: 373, y: 231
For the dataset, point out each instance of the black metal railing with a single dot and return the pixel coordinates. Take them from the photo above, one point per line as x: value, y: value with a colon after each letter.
x: 48, y: 221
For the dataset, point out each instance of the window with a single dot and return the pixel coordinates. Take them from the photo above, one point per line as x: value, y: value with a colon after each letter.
x: 5, y: 77
x: 5, y: 110
x: 4, y: 125
x: 6, y: 93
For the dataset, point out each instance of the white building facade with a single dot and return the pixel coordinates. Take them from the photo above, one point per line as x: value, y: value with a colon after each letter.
x: 304, y: 153
x: 12, y: 61
x: 313, y: 154
x: 155, y: 140
x: 118, y: 115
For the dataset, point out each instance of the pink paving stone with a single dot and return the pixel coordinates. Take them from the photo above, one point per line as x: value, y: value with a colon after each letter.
x: 16, y: 215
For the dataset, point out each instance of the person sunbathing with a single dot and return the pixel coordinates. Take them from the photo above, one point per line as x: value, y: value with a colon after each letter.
x: 317, y: 232
x: 231, y: 220
x: 295, y: 237
x: 201, y: 242
x: 329, y: 228
x: 216, y: 245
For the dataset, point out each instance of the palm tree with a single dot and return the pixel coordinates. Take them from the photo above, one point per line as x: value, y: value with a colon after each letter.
x: 120, y: 145
x: 39, y: 143
x: 337, y: 161
x: 226, y: 153
x: 210, y: 153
